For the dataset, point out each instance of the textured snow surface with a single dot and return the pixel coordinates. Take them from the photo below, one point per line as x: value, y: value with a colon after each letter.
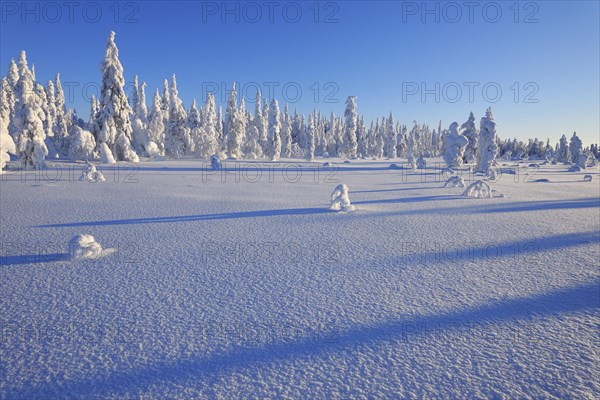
x: 252, y: 287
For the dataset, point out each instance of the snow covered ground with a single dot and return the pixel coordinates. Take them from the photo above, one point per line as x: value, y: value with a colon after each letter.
x: 252, y: 287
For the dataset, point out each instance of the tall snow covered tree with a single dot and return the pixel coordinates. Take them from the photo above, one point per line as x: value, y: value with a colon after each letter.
x: 310, y: 138
x: 350, y: 142
x: 29, y: 122
x: 392, y: 140
x: 562, y: 152
x: 177, y: 140
x: 156, y: 125
x: 261, y: 123
x: 487, y: 146
x: 7, y: 145
x: 286, y: 133
x: 61, y: 123
x: 575, y: 147
x: 361, y: 138
x: 194, y: 124
x: 209, y: 144
x: 470, y: 132
x: 233, y: 132
x: 274, y: 131
x: 113, y: 123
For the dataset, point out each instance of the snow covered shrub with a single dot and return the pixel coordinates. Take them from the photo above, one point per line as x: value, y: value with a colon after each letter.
x: 575, y: 148
x: 340, y: 200
x: 574, y: 168
x: 478, y: 189
x: 587, y: 178
x: 84, y: 247
x: 455, y: 181
x: 394, y: 166
x: 152, y: 150
x: 454, y: 145
x: 90, y: 174
x: 215, y: 163
x: 421, y: 163
x: 328, y: 164
x: 82, y: 144
x: 7, y: 145
x: 106, y: 156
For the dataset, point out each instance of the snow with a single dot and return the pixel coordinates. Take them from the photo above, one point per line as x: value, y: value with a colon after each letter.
x: 340, y: 201
x: 479, y: 189
x: 91, y: 174
x: 106, y: 156
x: 84, y: 247
x: 221, y: 289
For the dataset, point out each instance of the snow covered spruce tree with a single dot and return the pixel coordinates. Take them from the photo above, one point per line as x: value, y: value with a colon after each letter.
x: 410, y: 147
x: 350, y: 143
x: 286, y: 133
x: 194, y: 124
x: 392, y: 139
x: 470, y: 132
x: 177, y: 138
x: 29, y: 122
x: 209, y: 145
x: 454, y: 146
x: 233, y: 126
x: 274, y: 131
x: 113, y: 123
x: 7, y: 145
x: 156, y: 126
x: 139, y: 124
x: 575, y: 147
x: 562, y: 151
x: 260, y: 123
x: 362, y: 139
x: 487, y: 146
x: 310, y: 138
x: 61, y: 122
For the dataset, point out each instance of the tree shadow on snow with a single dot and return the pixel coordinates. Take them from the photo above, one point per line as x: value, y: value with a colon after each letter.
x: 33, y: 258
x: 200, y: 217
x: 467, y: 323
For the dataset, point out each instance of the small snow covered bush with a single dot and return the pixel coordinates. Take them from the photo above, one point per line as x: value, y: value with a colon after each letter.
x: 340, y: 201
x: 215, y: 163
x: 84, y: 247
x: 394, y: 166
x: 455, y: 181
x: 575, y: 168
x: 90, y: 174
x: 152, y: 150
x: 327, y: 164
x: 587, y: 178
x: 478, y: 189
x: 7, y: 145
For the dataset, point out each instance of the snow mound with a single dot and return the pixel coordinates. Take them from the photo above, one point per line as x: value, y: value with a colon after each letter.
x: 90, y: 174
x: 340, y: 201
x: 575, y: 168
x: 327, y: 164
x: 587, y: 178
x: 84, y: 247
x: 346, y: 162
x: 106, y: 156
x: 479, y: 189
x: 393, y: 166
x: 455, y: 181
x: 215, y: 163
x: 543, y: 180
x: 534, y: 165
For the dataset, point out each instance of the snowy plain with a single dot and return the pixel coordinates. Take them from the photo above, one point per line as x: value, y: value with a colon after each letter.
x: 238, y: 285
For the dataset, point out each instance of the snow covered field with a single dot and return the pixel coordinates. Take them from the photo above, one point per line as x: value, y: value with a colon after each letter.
x: 237, y: 285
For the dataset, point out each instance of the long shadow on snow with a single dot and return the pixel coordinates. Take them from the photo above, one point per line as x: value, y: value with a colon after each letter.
x: 33, y: 258
x: 122, y: 382
x: 200, y: 217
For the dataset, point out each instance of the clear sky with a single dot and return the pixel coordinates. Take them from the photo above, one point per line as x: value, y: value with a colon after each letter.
x: 410, y: 58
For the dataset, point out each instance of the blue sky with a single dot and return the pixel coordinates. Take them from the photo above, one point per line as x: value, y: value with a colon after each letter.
x: 543, y: 56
